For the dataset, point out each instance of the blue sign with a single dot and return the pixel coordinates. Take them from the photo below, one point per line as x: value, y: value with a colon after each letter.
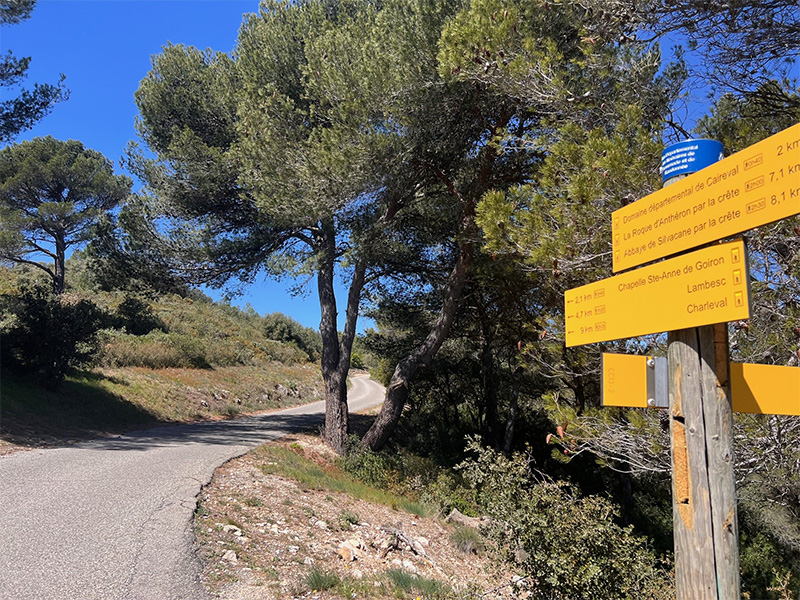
x: 689, y: 157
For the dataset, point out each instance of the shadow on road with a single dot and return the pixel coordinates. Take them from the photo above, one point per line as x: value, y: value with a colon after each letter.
x: 244, y: 431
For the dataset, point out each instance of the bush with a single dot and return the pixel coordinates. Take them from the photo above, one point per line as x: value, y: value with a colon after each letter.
x: 448, y: 492
x: 569, y: 546
x: 466, y: 540
x: 156, y: 350
x: 356, y: 361
x: 320, y: 581
x: 48, y: 334
x: 347, y: 519
x: 159, y: 350
x: 368, y: 466
x: 409, y: 582
x: 281, y: 328
x: 137, y: 317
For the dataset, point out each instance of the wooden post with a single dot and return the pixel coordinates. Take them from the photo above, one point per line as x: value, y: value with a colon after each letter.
x: 703, y: 485
x: 705, y: 524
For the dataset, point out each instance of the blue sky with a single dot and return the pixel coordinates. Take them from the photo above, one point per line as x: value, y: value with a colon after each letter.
x: 104, y: 48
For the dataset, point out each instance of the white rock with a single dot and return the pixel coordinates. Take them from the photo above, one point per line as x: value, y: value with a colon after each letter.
x: 409, y: 565
x: 308, y: 560
x: 230, y: 556
x: 232, y: 529
x: 348, y: 552
x: 292, y: 549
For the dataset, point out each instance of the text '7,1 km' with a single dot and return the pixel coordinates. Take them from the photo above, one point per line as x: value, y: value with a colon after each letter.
x: 756, y: 186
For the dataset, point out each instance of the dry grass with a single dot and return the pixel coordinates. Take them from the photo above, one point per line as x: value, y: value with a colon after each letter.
x: 111, y: 401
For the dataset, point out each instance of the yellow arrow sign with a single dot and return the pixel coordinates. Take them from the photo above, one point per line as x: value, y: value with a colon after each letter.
x: 633, y: 381
x: 758, y: 185
x: 704, y: 287
x: 765, y: 389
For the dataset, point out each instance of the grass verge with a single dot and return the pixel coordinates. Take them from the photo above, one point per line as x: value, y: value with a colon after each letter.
x: 112, y: 401
x: 290, y: 463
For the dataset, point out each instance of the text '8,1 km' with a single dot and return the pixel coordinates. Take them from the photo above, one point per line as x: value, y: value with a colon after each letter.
x: 756, y: 186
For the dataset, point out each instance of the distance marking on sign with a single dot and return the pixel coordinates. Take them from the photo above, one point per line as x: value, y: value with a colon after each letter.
x: 756, y: 186
x: 700, y: 288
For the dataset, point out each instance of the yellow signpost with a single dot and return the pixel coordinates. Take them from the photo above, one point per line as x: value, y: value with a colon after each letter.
x: 624, y: 380
x: 704, y: 287
x: 765, y: 389
x: 758, y: 185
x: 683, y: 295
x: 634, y: 381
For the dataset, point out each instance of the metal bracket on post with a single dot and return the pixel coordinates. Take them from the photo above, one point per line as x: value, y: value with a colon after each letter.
x: 657, y: 382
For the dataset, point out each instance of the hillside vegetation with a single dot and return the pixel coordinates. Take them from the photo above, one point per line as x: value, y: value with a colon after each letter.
x: 116, y: 360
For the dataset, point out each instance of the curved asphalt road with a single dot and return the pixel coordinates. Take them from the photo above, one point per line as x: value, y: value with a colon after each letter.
x: 111, y: 519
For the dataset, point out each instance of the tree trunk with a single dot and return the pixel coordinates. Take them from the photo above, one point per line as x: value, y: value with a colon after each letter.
x: 336, y: 353
x: 60, y: 261
x: 406, y: 370
x: 489, y: 384
x: 397, y: 392
x: 513, y: 409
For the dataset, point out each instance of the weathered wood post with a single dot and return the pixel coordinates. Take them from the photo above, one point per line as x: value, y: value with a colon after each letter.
x: 703, y: 485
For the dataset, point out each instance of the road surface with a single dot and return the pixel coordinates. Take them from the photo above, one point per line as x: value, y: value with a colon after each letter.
x: 111, y: 519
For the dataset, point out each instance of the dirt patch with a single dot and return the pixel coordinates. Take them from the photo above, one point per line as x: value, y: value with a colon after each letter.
x: 263, y: 536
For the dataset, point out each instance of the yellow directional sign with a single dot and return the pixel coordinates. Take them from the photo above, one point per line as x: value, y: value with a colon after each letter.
x: 634, y: 381
x: 624, y: 380
x: 704, y: 287
x: 758, y: 185
x: 638, y: 382
x: 765, y: 389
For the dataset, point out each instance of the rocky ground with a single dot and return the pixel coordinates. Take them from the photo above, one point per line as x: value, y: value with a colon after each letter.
x: 263, y: 536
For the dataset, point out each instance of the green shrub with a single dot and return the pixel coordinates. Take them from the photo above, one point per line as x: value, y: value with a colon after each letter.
x: 279, y: 327
x: 356, y: 360
x: 156, y: 350
x: 467, y: 540
x: 137, y: 317
x: 763, y: 564
x: 568, y: 545
x: 347, y: 519
x: 448, y: 492
x: 368, y: 466
x: 48, y: 334
x: 409, y: 582
x: 318, y: 580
